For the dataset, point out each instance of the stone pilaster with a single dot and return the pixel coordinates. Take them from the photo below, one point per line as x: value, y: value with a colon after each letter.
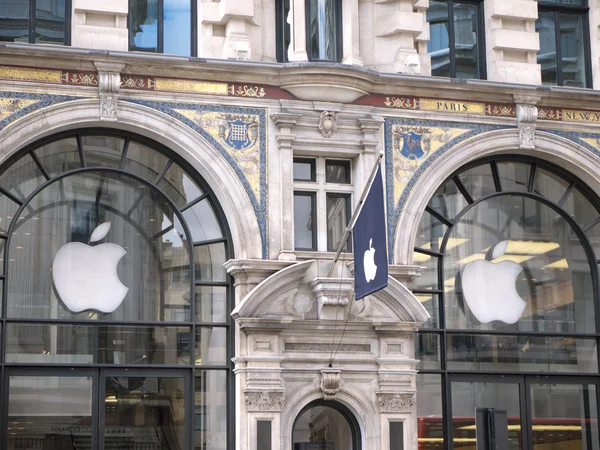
x: 109, y: 84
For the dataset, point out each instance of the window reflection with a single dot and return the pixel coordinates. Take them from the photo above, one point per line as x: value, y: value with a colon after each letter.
x: 322, y: 30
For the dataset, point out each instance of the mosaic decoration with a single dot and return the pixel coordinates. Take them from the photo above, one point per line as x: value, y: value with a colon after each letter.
x: 410, y: 147
x: 569, y: 115
x: 240, y: 135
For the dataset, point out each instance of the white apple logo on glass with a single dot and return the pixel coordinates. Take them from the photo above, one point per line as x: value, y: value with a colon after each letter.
x: 489, y: 289
x: 85, y: 277
x: 369, y: 266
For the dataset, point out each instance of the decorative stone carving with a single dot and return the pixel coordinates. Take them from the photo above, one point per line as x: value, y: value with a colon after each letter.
x: 526, y: 120
x: 332, y: 293
x: 409, y: 65
x: 396, y: 402
x: 327, y: 123
x: 264, y: 400
x: 330, y: 382
x: 109, y: 83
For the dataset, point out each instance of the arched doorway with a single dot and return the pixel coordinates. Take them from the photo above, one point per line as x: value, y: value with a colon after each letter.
x: 115, y: 304
x: 510, y: 246
x: 325, y: 425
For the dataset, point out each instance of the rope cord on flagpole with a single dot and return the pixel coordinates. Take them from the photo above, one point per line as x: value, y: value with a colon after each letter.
x: 343, y: 333
x: 337, y: 309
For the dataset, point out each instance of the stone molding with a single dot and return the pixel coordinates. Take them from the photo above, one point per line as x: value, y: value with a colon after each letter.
x: 396, y: 402
x: 331, y: 293
x: 527, y: 114
x: 264, y: 400
x: 109, y: 85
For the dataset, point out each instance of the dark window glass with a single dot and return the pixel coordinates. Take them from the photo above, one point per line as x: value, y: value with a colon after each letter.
x: 427, y: 350
x: 396, y: 435
x: 563, y: 55
x: 161, y: 26
x: 323, y: 30
x: 307, y: 432
x: 304, y: 169
x: 263, y: 435
x: 48, y: 25
x: 430, y: 426
x: 456, y: 42
x: 283, y: 30
x: 338, y: 216
x: 337, y: 171
x: 304, y: 221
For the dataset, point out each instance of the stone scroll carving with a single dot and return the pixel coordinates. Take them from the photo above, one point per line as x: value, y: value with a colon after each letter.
x: 265, y: 400
x: 392, y: 403
x: 109, y: 83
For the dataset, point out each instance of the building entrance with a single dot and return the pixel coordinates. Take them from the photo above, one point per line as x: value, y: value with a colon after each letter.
x: 98, y: 409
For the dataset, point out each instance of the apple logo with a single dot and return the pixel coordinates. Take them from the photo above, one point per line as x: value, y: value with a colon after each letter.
x: 369, y: 263
x: 489, y: 289
x: 85, y: 277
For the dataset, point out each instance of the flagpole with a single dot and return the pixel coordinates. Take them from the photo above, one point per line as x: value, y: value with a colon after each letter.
x: 355, y: 214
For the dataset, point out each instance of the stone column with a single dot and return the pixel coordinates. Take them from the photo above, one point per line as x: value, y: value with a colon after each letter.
x: 285, y: 122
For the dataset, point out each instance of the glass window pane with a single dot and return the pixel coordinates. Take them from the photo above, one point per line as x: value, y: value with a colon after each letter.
x: 149, y: 408
x: 59, y: 156
x: 211, y: 304
x: 427, y: 351
x: 580, y: 208
x: 322, y: 29
x: 564, y: 415
x: 178, y: 186
x: 92, y: 344
x: 549, y: 185
x: 143, y: 21
x: 572, y: 49
x: 308, y: 431
x: 478, y: 181
x: 448, y: 200
x: 210, y: 410
x: 521, y: 353
x: 14, y: 26
x: 431, y: 302
x: 177, y: 27
x: 430, y: 425
x: 144, y: 162
x: 154, y: 272
x: 102, y: 151
x: 338, y: 215
x: 546, y: 56
x: 50, y: 22
x: 514, y: 176
x: 304, y: 169
x: 38, y: 406
x: 22, y: 178
x: 541, y: 281
x: 429, y: 277
x: 466, y: 396
x: 8, y: 209
x: 211, y: 346
x: 430, y: 233
x: 304, y: 221
x: 202, y: 222
x: 337, y: 171
x: 438, y: 46
x: 209, y: 262
x: 466, y: 40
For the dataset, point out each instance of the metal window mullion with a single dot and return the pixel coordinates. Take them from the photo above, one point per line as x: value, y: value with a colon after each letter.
x: 31, y: 22
x: 587, y: 51
x: 194, y: 28
x: 161, y: 28
x: 559, y: 62
x: 451, y: 39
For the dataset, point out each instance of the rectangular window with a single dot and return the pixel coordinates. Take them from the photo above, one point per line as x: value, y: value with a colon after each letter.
x: 337, y: 171
x: 36, y: 21
x: 338, y: 216
x: 304, y: 169
x: 396, y: 436
x: 456, y: 43
x: 163, y: 26
x: 283, y: 30
x: 324, y: 30
x: 564, y: 49
x: 263, y: 435
x: 305, y: 233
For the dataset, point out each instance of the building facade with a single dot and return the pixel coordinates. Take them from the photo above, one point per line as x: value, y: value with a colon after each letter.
x: 175, y: 176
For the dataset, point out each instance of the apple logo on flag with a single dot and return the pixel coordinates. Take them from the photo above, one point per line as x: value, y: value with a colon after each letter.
x: 489, y: 289
x: 369, y: 263
x: 85, y: 277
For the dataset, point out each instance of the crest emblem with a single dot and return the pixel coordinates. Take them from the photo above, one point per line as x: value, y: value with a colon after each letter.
x: 411, y: 145
x: 238, y: 131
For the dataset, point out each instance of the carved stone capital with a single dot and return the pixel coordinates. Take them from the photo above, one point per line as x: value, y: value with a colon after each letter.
x: 109, y: 84
x: 330, y: 382
x: 526, y: 121
x: 327, y: 123
x: 396, y: 402
x: 264, y: 400
x: 285, y: 120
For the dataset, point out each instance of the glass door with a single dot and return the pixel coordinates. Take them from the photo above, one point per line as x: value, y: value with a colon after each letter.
x: 141, y: 409
x: 562, y: 414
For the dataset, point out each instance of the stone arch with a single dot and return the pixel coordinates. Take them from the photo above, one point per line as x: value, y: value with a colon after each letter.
x: 550, y: 147
x: 362, y: 409
x: 163, y: 129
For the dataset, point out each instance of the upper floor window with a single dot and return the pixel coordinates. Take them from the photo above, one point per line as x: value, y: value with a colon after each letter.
x: 564, y: 48
x: 456, y: 39
x: 324, y: 30
x: 163, y: 26
x: 322, y: 203
x: 35, y: 21
x: 283, y: 29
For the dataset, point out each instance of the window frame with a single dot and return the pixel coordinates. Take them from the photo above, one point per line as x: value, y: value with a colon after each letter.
x: 582, y: 10
x: 160, y: 26
x: 338, y: 33
x: 280, y: 30
x: 314, y: 228
x: 31, y: 20
x: 481, y: 52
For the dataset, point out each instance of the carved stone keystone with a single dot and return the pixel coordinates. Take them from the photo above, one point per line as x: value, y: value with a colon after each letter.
x: 330, y: 382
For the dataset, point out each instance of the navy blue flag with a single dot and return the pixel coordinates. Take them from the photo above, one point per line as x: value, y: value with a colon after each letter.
x: 370, y: 243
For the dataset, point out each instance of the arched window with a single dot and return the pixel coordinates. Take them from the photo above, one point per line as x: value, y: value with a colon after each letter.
x: 510, y: 246
x: 115, y: 320
x: 327, y: 425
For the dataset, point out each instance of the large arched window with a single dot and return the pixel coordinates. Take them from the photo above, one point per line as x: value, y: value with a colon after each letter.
x: 115, y: 324
x: 510, y: 248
